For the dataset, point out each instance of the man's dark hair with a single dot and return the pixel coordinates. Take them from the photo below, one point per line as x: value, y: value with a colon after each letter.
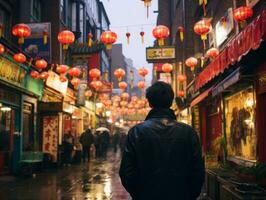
x: 160, y: 95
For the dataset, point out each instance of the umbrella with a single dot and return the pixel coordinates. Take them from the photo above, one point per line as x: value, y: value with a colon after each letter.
x: 101, y: 129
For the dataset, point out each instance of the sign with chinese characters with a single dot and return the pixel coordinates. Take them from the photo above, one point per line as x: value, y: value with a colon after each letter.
x: 50, y: 135
x: 157, y: 54
x: 54, y: 82
x: 11, y: 72
x: 224, y: 27
x: 252, y: 3
x: 34, y: 45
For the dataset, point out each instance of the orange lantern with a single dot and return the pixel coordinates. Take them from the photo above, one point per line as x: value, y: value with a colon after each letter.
x: 202, y: 28
x: 63, y: 79
x: 142, y: 36
x: 181, y: 33
x: 41, y: 64
x: 34, y: 74
x: 2, y: 49
x: 94, y: 73
x: 74, y: 72
x: 21, y: 31
x: 125, y: 95
x: 88, y: 93
x: 97, y: 85
x: 242, y: 13
x: 191, y: 63
x: 141, y: 85
x: 61, y: 69
x: 128, y: 37
x: 147, y: 4
x: 181, y: 78
x: 143, y: 72
x: 19, y: 57
x: 44, y: 75
x: 90, y: 36
x: 119, y: 73
x: 161, y: 32
x: 75, y: 82
x: 122, y: 85
x: 108, y: 38
x: 66, y: 38
x: 181, y: 93
x: 167, y: 68
x: 212, y: 53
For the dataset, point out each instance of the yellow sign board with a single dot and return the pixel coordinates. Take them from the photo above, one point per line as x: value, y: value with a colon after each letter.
x: 155, y: 54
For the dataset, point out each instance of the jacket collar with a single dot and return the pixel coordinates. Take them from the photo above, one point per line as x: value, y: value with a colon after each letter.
x: 161, y: 113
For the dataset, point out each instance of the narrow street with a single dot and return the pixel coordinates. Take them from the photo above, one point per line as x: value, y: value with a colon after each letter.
x: 97, y: 181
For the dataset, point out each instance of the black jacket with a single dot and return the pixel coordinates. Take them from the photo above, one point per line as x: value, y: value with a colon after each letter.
x: 162, y: 159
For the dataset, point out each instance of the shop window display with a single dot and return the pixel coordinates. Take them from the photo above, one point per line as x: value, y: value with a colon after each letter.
x: 241, y: 136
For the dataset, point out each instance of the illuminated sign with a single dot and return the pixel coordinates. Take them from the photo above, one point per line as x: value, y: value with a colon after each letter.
x: 158, y: 54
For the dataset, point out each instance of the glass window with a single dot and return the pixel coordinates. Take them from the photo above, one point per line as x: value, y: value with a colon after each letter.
x: 5, y: 23
x: 35, y: 10
x: 63, y: 10
x: 241, y: 137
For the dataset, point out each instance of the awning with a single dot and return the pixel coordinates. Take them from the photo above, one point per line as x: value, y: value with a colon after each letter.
x: 200, y: 97
x: 230, y: 80
x: 250, y: 38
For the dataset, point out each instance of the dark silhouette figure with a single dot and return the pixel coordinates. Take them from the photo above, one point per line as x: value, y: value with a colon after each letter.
x: 116, y: 140
x: 122, y: 142
x: 86, y: 140
x: 97, y: 144
x: 162, y: 158
x: 68, y: 144
x: 105, y: 140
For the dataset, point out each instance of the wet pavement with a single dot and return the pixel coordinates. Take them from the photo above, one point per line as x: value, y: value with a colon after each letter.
x: 98, y: 180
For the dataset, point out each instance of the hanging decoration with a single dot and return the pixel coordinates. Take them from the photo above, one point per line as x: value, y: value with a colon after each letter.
x: 96, y: 85
x: 90, y: 36
x: 155, y: 71
x: 119, y: 73
x: 21, y: 31
x: 191, y: 63
x: 212, y: 53
x: 122, y: 85
x: 108, y: 38
x: 44, y: 75
x: 147, y: 4
x: 224, y: 22
x: 203, y: 3
x: 181, y: 93
x: 241, y: 14
x: 34, y: 74
x: 181, y: 78
x: 128, y: 37
x: 75, y: 82
x: 202, y: 28
x: 19, y: 57
x: 131, y: 78
x: 41, y: 64
x: 167, y: 68
x: 74, y: 72
x: 66, y: 38
x: 88, y: 93
x: 143, y: 72
x: 63, y: 79
x: 45, y: 36
x: 61, y: 69
x: 2, y: 49
x: 141, y: 85
x: 125, y: 95
x: 94, y: 73
x: 161, y: 32
x: 1, y: 29
x: 202, y: 61
x: 142, y: 36
x: 181, y: 31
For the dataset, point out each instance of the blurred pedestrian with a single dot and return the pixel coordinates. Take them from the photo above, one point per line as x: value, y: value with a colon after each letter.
x: 105, y: 141
x: 68, y: 144
x: 97, y: 144
x: 122, y: 142
x: 116, y: 139
x: 86, y: 140
x: 162, y: 157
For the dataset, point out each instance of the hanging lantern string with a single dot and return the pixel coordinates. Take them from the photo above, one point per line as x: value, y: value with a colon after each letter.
x: 133, y: 25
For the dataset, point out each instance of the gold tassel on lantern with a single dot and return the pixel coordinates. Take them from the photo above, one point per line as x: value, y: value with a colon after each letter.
x: 21, y: 40
x: 202, y: 62
x: 1, y: 30
x: 224, y: 22
x: 128, y: 37
x: 203, y: 3
x: 90, y: 39
x: 45, y: 36
x: 131, y: 79
x: 142, y: 36
x: 160, y: 42
x: 181, y: 33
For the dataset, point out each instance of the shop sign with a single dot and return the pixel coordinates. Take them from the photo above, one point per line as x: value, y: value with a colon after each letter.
x: 34, y: 45
x: 51, y: 106
x: 196, y: 120
x: 54, y: 82
x: 11, y: 72
x: 224, y: 27
x: 252, y: 3
x: 34, y: 85
x: 81, y: 94
x: 8, y: 96
x: 50, y: 135
x: 155, y: 54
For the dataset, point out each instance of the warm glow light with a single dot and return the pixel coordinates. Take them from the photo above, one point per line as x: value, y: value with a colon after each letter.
x: 99, y: 105
x: 108, y: 113
x: 5, y: 109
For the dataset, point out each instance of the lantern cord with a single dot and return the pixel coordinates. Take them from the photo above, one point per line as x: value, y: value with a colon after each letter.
x: 133, y: 25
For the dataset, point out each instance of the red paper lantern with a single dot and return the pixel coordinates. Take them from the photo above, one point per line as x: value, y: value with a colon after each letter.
x: 167, y: 68
x: 161, y: 33
x: 212, y: 53
x: 141, y: 85
x: 143, y: 72
x: 108, y: 38
x: 74, y: 72
x: 128, y: 37
x: 34, y: 74
x: 181, y: 78
x: 88, y: 93
x: 19, y: 57
x: 119, y: 73
x: 202, y: 28
x: 181, y: 33
x: 191, y: 63
x: 61, y: 69
x: 21, y: 31
x: 97, y: 85
x: 44, y: 75
x: 2, y: 49
x: 63, y: 79
x: 41, y: 64
x: 142, y: 36
x: 75, y: 82
x: 181, y: 93
x: 122, y: 85
x: 94, y: 73
x: 242, y: 13
x: 125, y: 95
x: 66, y: 38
